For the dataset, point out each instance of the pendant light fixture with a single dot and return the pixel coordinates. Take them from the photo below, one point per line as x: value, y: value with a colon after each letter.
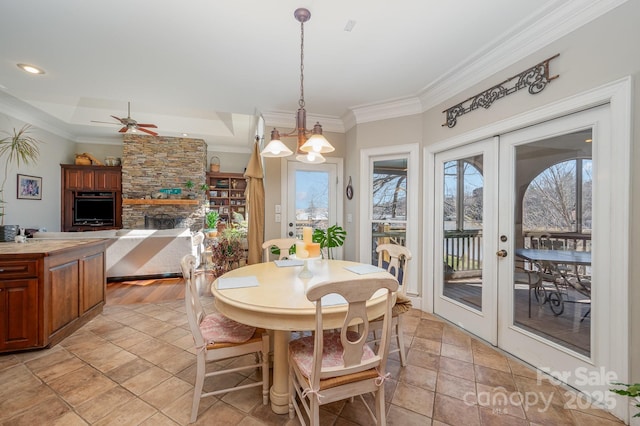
x: 309, y: 149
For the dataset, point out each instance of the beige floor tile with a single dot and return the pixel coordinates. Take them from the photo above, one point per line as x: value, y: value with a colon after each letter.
x: 166, y: 392
x: 454, y: 411
x: 136, y: 365
x: 132, y: 413
x: 101, y: 405
x: 414, y: 398
x: 81, y: 385
x: 146, y: 380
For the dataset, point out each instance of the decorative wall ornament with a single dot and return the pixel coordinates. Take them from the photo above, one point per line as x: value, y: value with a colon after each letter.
x: 535, y: 78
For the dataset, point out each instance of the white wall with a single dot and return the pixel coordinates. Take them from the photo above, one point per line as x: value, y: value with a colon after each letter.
x: 54, y: 151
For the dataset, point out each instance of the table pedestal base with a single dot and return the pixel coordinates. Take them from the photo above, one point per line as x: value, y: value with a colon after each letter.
x: 279, y: 394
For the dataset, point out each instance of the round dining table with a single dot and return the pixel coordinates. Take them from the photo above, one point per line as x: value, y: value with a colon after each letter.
x: 272, y: 295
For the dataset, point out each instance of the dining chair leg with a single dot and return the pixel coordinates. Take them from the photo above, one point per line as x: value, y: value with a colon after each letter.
x: 197, y: 388
x: 400, y: 339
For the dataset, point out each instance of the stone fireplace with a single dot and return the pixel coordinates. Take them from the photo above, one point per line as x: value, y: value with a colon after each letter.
x: 150, y: 164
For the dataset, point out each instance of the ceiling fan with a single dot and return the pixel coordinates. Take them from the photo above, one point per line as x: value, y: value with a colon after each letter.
x: 130, y: 124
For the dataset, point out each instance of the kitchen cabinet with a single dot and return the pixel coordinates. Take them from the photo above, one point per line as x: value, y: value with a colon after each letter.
x: 49, y: 289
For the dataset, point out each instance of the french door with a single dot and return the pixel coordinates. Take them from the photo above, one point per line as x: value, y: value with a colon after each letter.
x: 464, y: 271
x: 494, y: 199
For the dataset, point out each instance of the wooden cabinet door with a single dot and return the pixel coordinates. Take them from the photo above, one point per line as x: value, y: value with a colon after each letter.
x: 64, y: 280
x: 18, y: 314
x: 109, y: 180
x: 92, y: 289
x: 78, y: 179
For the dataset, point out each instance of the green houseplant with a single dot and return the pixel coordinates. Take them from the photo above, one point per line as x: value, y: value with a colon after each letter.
x: 16, y: 148
x: 630, y: 390
x: 329, y: 239
x: 212, y: 219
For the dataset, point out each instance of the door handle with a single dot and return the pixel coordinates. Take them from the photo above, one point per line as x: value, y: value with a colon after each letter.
x: 501, y: 253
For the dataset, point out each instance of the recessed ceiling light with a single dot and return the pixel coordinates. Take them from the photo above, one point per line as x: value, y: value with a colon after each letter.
x: 30, y: 69
x: 185, y: 134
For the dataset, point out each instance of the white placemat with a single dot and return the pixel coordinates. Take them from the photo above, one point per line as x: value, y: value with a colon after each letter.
x: 288, y: 262
x: 364, y: 269
x: 237, y: 282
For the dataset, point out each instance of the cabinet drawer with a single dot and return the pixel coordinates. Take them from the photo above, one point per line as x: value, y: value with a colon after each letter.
x: 18, y: 269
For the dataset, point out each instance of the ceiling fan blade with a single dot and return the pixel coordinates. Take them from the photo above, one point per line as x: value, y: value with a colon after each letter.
x: 147, y: 125
x: 104, y: 122
x: 147, y: 131
x: 121, y: 120
x: 123, y: 130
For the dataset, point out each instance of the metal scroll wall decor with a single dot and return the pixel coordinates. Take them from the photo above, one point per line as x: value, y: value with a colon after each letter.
x: 535, y: 78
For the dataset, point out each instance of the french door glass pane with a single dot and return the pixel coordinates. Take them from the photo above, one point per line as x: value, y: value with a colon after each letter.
x: 462, y: 225
x: 552, y: 296
x: 311, y: 200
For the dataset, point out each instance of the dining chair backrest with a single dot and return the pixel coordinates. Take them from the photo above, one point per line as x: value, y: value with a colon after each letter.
x: 195, y: 311
x: 283, y: 244
x: 394, y: 258
x: 356, y: 296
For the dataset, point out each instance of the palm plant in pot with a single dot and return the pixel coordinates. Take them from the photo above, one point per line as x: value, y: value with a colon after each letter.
x: 19, y: 148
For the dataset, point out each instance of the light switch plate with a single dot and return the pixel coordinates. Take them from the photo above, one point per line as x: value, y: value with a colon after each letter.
x: 278, y: 209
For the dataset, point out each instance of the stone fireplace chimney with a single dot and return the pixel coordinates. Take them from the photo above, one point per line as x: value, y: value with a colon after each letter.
x: 150, y: 164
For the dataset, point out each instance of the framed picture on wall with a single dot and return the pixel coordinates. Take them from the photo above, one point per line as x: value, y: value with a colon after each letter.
x: 29, y: 187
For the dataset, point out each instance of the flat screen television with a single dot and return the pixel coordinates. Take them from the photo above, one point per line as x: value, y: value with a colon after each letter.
x: 93, y: 210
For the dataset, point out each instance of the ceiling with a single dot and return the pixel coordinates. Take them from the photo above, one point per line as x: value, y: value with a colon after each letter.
x: 210, y: 68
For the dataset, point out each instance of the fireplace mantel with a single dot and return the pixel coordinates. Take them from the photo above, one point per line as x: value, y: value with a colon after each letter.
x: 165, y: 202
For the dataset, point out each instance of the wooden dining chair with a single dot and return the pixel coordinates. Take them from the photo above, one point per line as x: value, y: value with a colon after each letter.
x: 217, y: 338
x: 394, y: 259
x: 283, y: 244
x: 336, y: 364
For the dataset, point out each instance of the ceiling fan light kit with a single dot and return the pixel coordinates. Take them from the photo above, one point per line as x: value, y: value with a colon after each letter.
x: 310, y: 149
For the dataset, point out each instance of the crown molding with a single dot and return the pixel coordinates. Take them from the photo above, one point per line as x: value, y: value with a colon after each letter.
x: 391, y: 109
x: 20, y: 110
x: 551, y: 24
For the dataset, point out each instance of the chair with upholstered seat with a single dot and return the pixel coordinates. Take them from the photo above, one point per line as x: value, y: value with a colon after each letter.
x: 336, y: 364
x: 283, y: 245
x: 218, y: 338
x: 394, y: 259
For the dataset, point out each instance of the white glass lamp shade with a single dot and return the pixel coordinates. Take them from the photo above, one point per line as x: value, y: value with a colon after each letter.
x: 311, y: 158
x: 317, y: 142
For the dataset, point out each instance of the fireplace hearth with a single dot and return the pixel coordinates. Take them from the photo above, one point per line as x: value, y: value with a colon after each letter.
x: 163, y: 221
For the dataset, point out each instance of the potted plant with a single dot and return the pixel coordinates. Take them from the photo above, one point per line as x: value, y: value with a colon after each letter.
x: 330, y: 238
x: 630, y: 390
x: 212, y: 219
x: 227, y: 251
x: 18, y: 148
x: 190, y: 185
x: 205, y: 189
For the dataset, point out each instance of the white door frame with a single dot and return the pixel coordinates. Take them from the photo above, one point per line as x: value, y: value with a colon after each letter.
x: 367, y: 157
x: 618, y: 94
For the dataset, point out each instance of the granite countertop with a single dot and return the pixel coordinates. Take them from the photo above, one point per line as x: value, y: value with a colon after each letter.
x: 42, y: 246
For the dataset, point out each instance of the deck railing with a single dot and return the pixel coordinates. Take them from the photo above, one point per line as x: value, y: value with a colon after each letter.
x: 463, y: 250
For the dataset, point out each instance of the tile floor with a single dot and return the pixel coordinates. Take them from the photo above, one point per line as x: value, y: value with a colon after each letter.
x: 134, y: 365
